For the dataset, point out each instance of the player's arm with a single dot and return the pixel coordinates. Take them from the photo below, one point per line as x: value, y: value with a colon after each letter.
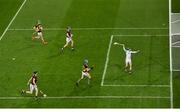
x: 124, y: 47
x: 71, y: 35
x: 34, y: 27
x: 67, y: 35
x: 91, y: 68
x: 29, y: 81
x: 135, y: 51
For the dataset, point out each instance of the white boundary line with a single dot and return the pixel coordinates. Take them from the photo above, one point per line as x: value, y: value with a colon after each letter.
x: 90, y: 97
x: 55, y: 29
x: 107, y: 60
x: 12, y: 19
x: 141, y: 35
x: 137, y: 85
x: 170, y: 56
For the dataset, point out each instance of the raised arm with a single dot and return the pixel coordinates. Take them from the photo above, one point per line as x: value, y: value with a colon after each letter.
x: 124, y: 47
x: 135, y: 51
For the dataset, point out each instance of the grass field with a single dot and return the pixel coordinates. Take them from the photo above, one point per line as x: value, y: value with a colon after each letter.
x: 96, y: 24
x: 175, y: 6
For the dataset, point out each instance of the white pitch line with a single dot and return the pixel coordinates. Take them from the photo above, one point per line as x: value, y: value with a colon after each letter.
x: 170, y: 56
x: 90, y: 97
x: 12, y: 20
x: 55, y: 29
x: 136, y: 85
x: 141, y: 35
x: 107, y: 60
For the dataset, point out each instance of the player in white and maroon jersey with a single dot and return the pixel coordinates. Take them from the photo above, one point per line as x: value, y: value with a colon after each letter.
x: 38, y: 33
x: 69, y: 39
x: 32, y: 85
x: 85, y: 73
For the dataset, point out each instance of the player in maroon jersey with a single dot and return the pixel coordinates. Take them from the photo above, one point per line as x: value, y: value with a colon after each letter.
x: 69, y: 39
x: 38, y: 33
x: 85, y: 72
x: 32, y: 83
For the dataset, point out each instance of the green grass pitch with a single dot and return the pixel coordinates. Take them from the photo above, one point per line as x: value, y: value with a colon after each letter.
x: 139, y: 24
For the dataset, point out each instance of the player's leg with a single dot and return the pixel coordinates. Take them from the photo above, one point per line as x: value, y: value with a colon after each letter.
x: 36, y: 91
x: 30, y: 91
x: 34, y: 35
x: 66, y: 45
x: 130, y: 66
x: 89, y: 78
x: 42, y: 38
x: 126, y: 65
x: 72, y: 44
x: 82, y: 77
x: 67, y: 42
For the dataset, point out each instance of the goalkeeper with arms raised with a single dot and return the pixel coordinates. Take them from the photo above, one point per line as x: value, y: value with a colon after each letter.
x: 128, y: 61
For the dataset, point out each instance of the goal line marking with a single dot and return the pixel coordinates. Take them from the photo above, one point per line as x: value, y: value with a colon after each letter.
x: 60, y: 29
x: 90, y: 97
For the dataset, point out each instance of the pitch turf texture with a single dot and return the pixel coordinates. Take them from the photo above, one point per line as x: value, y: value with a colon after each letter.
x: 139, y: 24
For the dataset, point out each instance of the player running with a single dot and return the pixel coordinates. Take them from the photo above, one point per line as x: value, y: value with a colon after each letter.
x: 85, y: 72
x: 38, y: 33
x: 69, y: 39
x: 128, y: 61
x: 32, y: 83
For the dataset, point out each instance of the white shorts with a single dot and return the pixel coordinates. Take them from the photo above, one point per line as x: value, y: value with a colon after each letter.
x: 85, y: 75
x: 128, y: 61
x: 68, y: 39
x: 33, y: 87
x: 39, y: 35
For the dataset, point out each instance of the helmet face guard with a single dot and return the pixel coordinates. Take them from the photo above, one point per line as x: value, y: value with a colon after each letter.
x: 35, y: 72
x: 68, y: 28
x: 85, y: 61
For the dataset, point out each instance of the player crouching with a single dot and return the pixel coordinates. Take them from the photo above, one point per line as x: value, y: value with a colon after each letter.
x: 32, y: 83
x: 69, y: 39
x: 38, y: 33
x: 85, y: 73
